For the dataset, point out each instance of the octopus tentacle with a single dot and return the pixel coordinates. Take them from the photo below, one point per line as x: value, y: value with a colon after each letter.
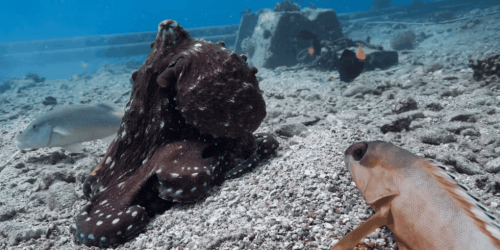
x: 183, y: 174
x: 266, y: 146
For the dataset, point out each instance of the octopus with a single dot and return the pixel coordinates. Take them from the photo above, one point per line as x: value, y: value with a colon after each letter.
x: 188, y: 126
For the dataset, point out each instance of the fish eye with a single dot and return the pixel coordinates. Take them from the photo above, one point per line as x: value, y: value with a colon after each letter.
x: 359, y: 151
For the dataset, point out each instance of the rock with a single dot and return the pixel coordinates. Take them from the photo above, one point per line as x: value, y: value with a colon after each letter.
x: 313, y: 97
x: 274, y: 35
x: 59, y: 198
x: 19, y: 84
x: 461, y: 116
x: 488, y: 66
x: 396, y: 125
x: 457, y: 127
x: 289, y: 130
x: 405, y: 40
x: 49, y: 100
x: 470, y: 132
x: 380, y: 59
x: 6, y: 213
x: 357, y: 88
x: 306, y: 119
x: 435, y: 136
x: 462, y: 165
x: 50, y: 175
x: 486, y: 140
x: 453, y: 91
x: 286, y: 5
x: 30, y: 233
x: 399, y: 122
x: 434, y: 106
x: 35, y: 78
x: 490, y: 183
x: 404, y: 104
x: 56, y: 157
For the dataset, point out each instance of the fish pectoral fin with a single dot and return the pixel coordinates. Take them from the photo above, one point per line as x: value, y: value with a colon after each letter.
x: 60, y: 130
x: 380, y: 185
x: 74, y: 148
x: 375, y: 183
x: 108, y: 139
x: 352, y: 239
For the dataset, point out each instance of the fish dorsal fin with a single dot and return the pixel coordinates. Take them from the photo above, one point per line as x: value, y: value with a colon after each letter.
x: 375, y: 181
x: 361, y: 54
x: 468, y: 204
x: 61, y: 130
x: 74, y: 148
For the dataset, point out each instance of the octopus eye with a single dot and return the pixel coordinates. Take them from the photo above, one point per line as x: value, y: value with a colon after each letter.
x: 359, y: 151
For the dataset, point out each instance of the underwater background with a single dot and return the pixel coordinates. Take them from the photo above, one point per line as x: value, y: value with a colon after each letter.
x: 119, y: 130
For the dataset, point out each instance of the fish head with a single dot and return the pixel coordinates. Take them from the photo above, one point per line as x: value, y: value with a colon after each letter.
x: 373, y: 170
x: 36, y: 135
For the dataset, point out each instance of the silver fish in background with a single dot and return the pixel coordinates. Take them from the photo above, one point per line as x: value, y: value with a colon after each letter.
x: 69, y: 126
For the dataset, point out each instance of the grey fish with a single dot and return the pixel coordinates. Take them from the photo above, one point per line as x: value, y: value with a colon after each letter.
x: 69, y: 126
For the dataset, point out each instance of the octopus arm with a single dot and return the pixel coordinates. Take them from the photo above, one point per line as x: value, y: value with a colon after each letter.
x: 266, y: 146
x: 169, y: 77
x: 185, y: 171
x: 109, y: 221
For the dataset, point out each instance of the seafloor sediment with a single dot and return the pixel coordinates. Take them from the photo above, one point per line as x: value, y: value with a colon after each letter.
x: 303, y: 198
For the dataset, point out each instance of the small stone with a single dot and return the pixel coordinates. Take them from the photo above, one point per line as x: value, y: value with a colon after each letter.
x: 464, y: 166
x: 49, y: 100
x: 461, y: 116
x: 7, y: 214
x: 357, y: 89
x: 289, y: 130
x: 56, y: 157
x: 404, y: 105
x: 493, y: 166
x: 435, y: 136
x: 494, y: 204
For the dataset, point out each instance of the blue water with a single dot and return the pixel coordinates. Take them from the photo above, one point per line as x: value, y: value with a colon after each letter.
x: 34, y: 34
x: 49, y: 19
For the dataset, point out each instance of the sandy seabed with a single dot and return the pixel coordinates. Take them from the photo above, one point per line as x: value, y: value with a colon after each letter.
x: 303, y: 197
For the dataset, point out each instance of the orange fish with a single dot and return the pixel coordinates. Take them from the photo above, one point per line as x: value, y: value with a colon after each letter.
x: 360, y: 55
x: 333, y: 79
x: 418, y: 200
x: 311, y: 51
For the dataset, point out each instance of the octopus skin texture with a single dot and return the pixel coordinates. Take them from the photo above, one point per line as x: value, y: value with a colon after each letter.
x: 187, y: 126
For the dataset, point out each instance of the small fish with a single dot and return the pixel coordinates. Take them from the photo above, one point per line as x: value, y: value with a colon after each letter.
x: 69, y: 126
x: 351, y: 65
x: 84, y: 65
x: 308, y: 35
